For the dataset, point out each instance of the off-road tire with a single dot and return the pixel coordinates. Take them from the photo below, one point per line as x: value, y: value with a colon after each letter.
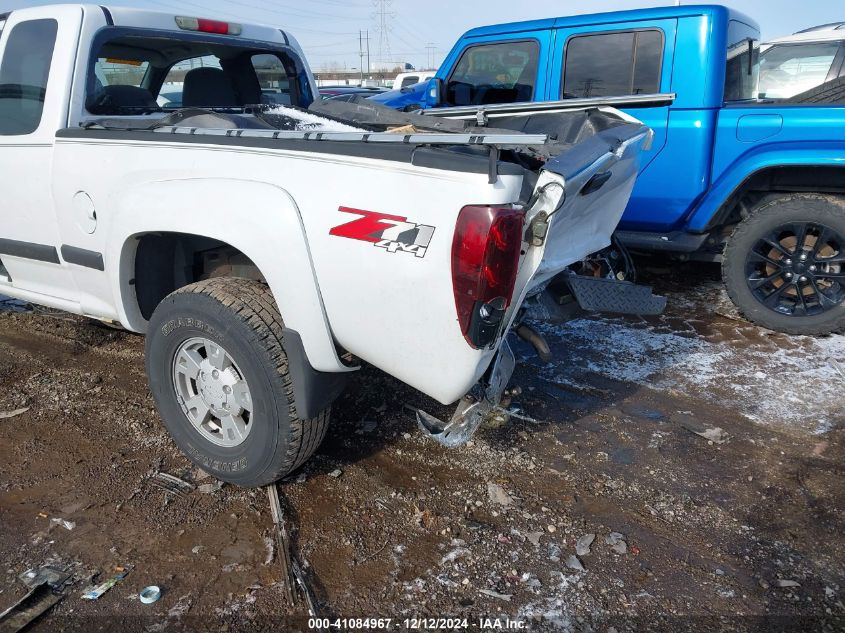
x: 773, y: 212
x: 242, y: 316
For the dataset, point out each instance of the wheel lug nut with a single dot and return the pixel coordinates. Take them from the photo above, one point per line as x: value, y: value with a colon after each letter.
x: 803, y: 256
x: 215, y: 374
x: 802, y: 279
x: 227, y: 389
x: 788, y: 275
x: 812, y: 269
x: 788, y: 262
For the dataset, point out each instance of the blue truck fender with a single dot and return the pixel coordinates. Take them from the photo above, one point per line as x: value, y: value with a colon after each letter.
x: 713, y: 206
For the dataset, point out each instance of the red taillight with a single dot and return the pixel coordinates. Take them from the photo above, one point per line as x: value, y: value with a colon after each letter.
x: 485, y: 259
x: 204, y: 25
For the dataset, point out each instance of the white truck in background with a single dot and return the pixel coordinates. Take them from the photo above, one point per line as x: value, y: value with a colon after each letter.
x: 266, y: 251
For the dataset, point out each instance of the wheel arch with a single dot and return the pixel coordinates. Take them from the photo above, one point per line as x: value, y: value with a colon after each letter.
x: 258, y: 221
x: 754, y: 178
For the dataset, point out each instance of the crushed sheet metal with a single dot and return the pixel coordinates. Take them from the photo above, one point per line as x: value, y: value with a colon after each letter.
x: 33, y: 605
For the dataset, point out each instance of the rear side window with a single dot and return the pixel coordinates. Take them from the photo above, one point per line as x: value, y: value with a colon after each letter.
x: 495, y: 73
x: 410, y: 81
x: 613, y: 64
x: 23, y: 75
x: 742, y: 67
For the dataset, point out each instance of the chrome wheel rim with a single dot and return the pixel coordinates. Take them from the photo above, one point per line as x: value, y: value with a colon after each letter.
x: 212, y: 392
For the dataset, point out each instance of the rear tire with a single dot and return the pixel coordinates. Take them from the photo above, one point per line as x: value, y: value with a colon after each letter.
x: 790, y: 243
x: 241, y: 425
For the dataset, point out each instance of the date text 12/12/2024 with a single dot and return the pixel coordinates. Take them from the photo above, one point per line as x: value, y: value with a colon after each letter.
x: 421, y: 624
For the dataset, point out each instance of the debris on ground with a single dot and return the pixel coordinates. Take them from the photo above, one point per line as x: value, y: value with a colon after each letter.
x: 211, y: 488
x: 33, y: 605
x: 782, y: 583
x: 715, y: 435
x: 150, y: 594
x: 495, y: 594
x: 534, y: 537
x: 96, y: 592
x: 68, y: 525
x: 498, y: 495
x: 582, y: 545
x: 617, y: 542
x: 172, y: 484
x: 4, y: 415
x: 336, y: 473
x: 573, y: 562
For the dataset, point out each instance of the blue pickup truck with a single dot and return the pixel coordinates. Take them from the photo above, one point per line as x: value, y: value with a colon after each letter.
x: 754, y: 184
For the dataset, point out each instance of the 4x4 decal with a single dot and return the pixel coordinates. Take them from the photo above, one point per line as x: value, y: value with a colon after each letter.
x: 390, y: 232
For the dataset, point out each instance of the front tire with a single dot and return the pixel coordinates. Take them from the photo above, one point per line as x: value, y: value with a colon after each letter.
x: 218, y: 371
x: 784, y: 266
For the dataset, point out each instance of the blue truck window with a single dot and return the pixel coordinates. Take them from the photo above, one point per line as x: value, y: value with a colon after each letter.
x: 23, y: 75
x: 504, y: 72
x: 612, y: 64
x: 742, y: 69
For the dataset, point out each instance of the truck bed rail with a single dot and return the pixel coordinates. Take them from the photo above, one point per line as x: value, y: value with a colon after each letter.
x: 489, y: 140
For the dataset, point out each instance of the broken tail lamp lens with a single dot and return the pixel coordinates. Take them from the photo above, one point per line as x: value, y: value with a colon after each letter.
x: 485, y: 260
x: 203, y: 25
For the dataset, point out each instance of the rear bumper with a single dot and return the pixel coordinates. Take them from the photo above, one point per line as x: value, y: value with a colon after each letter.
x: 674, y: 241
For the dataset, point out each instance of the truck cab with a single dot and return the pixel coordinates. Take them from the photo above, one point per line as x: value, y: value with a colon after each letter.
x: 721, y: 160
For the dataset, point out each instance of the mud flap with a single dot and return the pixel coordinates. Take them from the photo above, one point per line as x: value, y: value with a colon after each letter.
x: 473, y: 407
x: 596, y: 294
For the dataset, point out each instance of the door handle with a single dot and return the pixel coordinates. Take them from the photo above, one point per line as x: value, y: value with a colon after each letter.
x: 596, y: 182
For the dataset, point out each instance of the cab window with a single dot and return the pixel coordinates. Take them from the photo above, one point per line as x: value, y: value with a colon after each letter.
x: 24, y: 71
x: 613, y: 64
x: 505, y: 72
x: 742, y: 68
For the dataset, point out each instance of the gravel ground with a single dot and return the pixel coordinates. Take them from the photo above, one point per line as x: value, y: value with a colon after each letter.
x: 676, y: 473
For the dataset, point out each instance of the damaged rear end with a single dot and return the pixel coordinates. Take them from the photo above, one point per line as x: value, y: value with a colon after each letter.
x: 515, y: 262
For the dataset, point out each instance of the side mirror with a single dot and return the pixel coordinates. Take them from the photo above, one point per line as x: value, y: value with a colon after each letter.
x: 434, y: 93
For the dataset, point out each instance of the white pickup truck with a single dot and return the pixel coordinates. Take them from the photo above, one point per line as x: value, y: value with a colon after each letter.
x: 266, y: 247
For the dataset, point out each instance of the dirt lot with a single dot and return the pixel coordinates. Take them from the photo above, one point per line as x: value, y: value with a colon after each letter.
x: 743, y: 531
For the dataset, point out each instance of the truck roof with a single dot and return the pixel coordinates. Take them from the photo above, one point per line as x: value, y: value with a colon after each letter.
x: 715, y: 11
x: 143, y: 18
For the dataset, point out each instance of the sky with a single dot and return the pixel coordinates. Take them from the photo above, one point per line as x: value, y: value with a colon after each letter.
x: 422, y: 33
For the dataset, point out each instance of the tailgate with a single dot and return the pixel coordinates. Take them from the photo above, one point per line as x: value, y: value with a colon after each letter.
x: 578, y: 202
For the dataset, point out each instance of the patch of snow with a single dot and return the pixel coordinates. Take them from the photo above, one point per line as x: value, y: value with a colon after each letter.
x: 794, y: 383
x: 308, y: 122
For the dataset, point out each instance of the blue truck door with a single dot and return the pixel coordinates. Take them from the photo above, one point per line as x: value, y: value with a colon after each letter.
x: 620, y: 59
x: 498, y: 68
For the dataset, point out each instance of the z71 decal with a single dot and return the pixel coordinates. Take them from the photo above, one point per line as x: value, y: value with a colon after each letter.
x: 390, y: 232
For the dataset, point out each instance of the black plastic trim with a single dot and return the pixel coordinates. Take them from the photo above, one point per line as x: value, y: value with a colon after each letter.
x: 673, y: 242
x: 313, y: 390
x: 82, y: 257
x: 108, y: 16
x: 29, y: 250
x: 417, y: 155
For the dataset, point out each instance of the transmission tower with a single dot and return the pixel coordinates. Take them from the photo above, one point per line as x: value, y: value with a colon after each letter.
x: 384, y: 15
